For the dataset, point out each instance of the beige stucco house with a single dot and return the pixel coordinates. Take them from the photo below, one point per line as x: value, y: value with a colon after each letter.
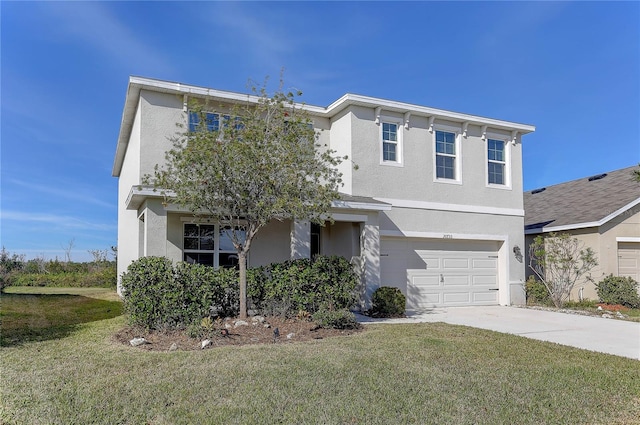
x: 602, y: 211
x: 435, y: 207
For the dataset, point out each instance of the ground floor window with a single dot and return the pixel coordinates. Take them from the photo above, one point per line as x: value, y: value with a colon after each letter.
x: 210, y: 244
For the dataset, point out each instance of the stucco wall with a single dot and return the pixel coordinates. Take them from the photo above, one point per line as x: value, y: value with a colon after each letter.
x: 128, y: 229
x: 464, y: 226
x: 603, y: 241
x: 414, y: 180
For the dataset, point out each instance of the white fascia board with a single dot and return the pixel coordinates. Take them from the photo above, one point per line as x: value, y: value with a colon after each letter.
x: 138, y: 194
x: 628, y: 239
x: 139, y: 83
x: 360, y: 206
x: 438, y: 206
x: 196, y: 91
x: 390, y: 105
x: 586, y: 225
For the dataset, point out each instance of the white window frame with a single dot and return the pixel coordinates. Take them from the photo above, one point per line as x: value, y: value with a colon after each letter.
x: 216, y: 251
x: 399, y: 136
x: 507, y: 161
x: 458, y: 156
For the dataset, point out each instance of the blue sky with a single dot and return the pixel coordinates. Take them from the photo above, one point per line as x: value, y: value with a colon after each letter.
x: 571, y: 69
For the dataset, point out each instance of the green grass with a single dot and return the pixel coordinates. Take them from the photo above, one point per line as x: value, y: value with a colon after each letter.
x: 37, y: 314
x: 389, y: 374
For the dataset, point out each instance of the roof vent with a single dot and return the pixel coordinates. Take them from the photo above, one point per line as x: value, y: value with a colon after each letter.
x: 598, y: 177
x: 533, y: 192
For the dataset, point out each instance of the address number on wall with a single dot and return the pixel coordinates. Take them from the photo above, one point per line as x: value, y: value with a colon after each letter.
x: 447, y: 236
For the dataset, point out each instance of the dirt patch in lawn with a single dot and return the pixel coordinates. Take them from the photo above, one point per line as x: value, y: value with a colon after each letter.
x: 288, y: 331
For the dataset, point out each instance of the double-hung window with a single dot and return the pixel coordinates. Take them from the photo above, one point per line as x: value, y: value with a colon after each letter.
x: 496, y: 162
x: 391, y: 142
x: 212, y: 121
x: 210, y: 245
x: 446, y: 155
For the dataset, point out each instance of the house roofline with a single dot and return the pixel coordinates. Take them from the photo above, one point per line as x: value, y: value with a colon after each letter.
x: 576, y: 226
x: 138, y: 194
x: 136, y: 84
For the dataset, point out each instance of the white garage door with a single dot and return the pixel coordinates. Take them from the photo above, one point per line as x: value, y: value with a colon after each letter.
x: 436, y: 273
x: 629, y: 260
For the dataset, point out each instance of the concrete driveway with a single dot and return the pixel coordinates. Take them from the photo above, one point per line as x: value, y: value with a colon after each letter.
x: 610, y: 336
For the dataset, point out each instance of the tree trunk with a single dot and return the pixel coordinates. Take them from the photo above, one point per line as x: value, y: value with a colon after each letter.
x: 242, y: 263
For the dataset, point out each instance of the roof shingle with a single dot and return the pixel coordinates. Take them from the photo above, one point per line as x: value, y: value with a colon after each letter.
x: 586, y: 200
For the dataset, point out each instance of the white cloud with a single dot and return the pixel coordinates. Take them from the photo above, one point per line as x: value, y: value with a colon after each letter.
x: 93, y: 23
x: 73, y: 193
x: 59, y: 221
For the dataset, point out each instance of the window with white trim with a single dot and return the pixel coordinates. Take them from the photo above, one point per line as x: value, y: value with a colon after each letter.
x: 210, y: 244
x: 390, y: 142
x: 212, y: 121
x: 446, y: 155
x: 496, y: 162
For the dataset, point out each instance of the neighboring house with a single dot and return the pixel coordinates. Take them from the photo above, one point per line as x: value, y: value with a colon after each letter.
x: 602, y: 211
x: 435, y: 207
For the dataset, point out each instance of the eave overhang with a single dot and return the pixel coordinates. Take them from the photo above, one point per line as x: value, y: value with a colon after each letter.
x: 585, y: 225
x: 136, y: 84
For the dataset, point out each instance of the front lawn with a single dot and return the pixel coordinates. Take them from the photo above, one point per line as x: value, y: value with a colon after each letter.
x: 412, y: 373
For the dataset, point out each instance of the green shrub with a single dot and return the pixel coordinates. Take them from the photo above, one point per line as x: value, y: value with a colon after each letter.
x: 149, y: 290
x: 581, y: 304
x: 335, y: 319
x: 286, y: 288
x: 536, y: 292
x: 205, y: 291
x: 619, y: 290
x: 158, y: 295
x: 387, y: 302
x: 10, y: 265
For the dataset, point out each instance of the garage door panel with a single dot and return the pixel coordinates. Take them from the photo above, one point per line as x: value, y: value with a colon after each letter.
x: 426, y: 280
x: 455, y: 280
x: 442, y: 273
x: 456, y: 298
x: 491, y: 280
x: 485, y: 263
x: 629, y: 259
x: 455, y: 263
x: 486, y: 297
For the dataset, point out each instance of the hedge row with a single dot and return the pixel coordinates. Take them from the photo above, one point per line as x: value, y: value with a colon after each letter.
x: 158, y: 294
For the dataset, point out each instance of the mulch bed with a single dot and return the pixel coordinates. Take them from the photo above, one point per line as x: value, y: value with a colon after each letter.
x: 290, y: 331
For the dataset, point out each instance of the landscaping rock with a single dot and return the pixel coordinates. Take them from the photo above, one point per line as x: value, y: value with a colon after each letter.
x: 240, y: 323
x: 204, y: 344
x: 228, y: 326
x: 137, y: 341
x: 173, y: 347
x: 607, y: 316
x: 291, y: 335
x: 258, y: 319
x: 266, y: 325
x: 599, y: 308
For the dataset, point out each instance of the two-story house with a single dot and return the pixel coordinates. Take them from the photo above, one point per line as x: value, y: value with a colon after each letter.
x: 434, y: 208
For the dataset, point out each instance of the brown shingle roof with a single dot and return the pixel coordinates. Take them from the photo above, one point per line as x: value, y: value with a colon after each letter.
x: 575, y: 203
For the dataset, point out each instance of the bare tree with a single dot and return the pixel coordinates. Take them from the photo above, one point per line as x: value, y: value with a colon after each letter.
x: 68, y: 248
x: 559, y: 261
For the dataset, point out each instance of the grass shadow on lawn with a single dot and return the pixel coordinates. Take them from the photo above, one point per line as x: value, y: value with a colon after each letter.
x: 40, y: 317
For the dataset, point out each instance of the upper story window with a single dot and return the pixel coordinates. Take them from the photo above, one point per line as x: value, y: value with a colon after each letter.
x: 446, y: 156
x: 496, y: 161
x: 212, y: 121
x: 391, y: 143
